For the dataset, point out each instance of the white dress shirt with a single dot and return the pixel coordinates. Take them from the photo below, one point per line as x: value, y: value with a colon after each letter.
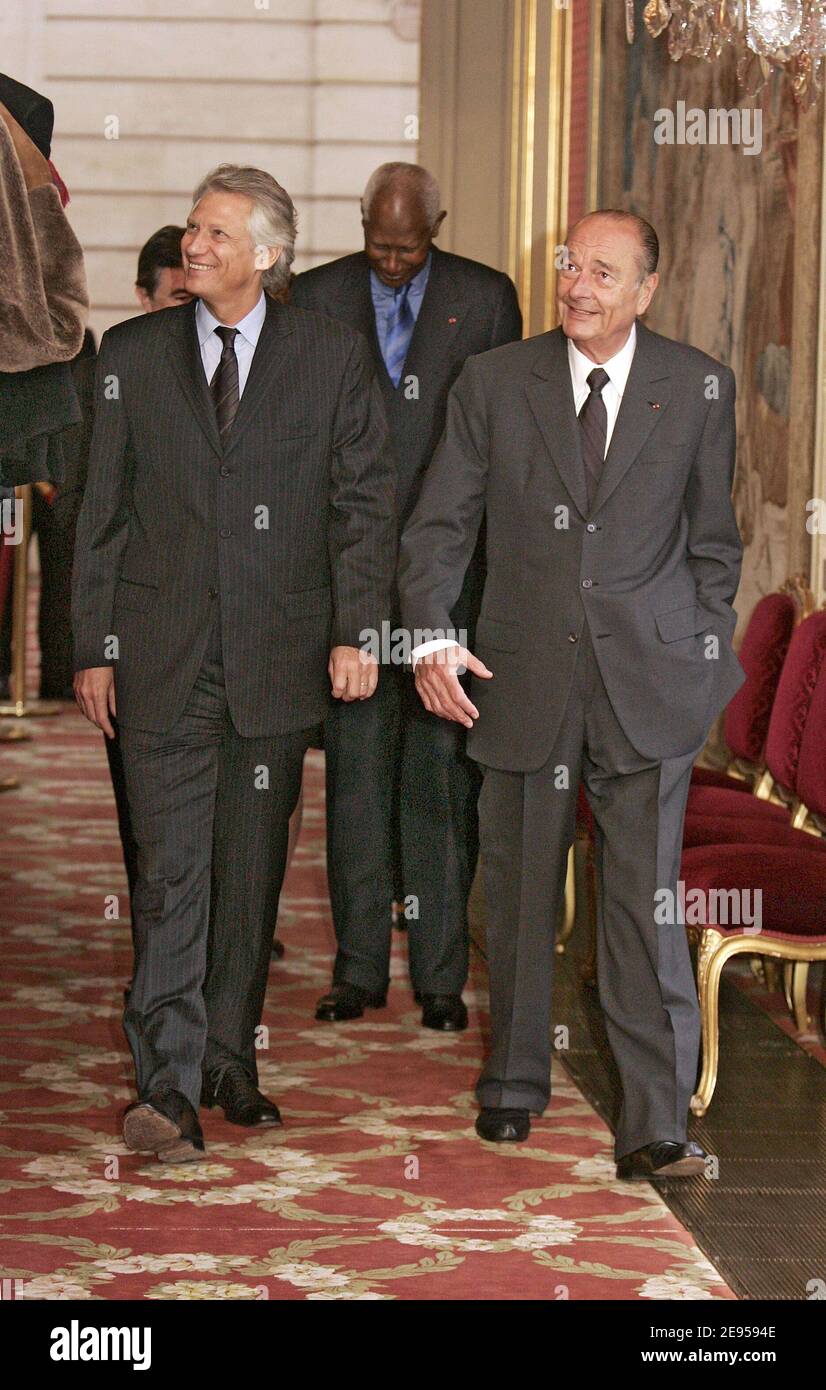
x: 249, y: 331
x: 617, y: 368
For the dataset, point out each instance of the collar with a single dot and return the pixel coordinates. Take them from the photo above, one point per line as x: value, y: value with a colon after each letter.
x: 415, y: 287
x: 249, y: 327
x: 617, y: 366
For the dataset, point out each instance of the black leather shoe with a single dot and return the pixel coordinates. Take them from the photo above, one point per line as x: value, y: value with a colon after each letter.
x: 501, y: 1126
x: 164, y: 1124
x: 446, y: 1012
x: 347, y: 1001
x: 662, y: 1159
x: 277, y: 949
x: 240, y: 1100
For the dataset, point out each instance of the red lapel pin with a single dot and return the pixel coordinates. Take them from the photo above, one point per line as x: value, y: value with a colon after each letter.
x: 655, y: 405
x: 451, y: 319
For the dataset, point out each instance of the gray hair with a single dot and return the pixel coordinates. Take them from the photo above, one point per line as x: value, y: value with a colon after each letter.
x: 273, y: 220
x: 419, y: 181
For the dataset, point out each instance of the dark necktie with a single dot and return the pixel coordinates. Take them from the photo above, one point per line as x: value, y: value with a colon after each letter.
x: 593, y: 427
x: 224, y: 384
x: 399, y: 331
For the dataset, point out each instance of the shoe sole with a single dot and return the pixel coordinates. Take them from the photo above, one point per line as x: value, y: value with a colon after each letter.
x: 322, y: 1017
x: 255, y: 1124
x: 146, y: 1130
x: 504, y: 1138
x: 445, y: 1027
x: 683, y: 1168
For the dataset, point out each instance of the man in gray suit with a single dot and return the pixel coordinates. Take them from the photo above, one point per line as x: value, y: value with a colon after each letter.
x: 604, y: 457
x: 236, y: 536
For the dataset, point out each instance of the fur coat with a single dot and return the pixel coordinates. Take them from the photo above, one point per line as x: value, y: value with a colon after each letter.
x: 43, y: 298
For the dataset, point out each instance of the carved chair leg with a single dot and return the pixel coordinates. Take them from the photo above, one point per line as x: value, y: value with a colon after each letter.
x: 709, y: 969
x: 569, y: 913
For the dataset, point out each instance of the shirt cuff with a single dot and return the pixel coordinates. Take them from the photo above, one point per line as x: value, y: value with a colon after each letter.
x: 436, y: 644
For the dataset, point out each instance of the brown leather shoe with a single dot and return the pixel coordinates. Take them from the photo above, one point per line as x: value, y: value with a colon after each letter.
x: 164, y: 1124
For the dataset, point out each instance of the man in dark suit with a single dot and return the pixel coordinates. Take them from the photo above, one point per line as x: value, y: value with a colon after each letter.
x: 401, y: 791
x: 236, y: 536
x: 160, y: 284
x: 604, y: 456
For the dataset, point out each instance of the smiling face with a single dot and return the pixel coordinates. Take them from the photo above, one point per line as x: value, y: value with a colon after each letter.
x: 223, y: 266
x: 602, y: 286
x: 397, y: 236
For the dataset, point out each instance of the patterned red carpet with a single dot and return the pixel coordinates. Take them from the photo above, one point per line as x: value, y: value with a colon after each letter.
x: 377, y: 1187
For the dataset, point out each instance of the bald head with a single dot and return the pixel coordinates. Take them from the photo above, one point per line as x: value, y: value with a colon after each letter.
x: 400, y: 217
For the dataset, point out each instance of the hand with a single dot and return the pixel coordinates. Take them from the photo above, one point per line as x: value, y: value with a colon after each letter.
x: 354, y: 674
x: 438, y: 683
x: 36, y: 171
x: 95, y: 693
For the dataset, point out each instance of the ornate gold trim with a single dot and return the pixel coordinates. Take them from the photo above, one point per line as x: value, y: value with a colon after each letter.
x: 713, y: 952
x: 559, y: 139
x: 595, y: 111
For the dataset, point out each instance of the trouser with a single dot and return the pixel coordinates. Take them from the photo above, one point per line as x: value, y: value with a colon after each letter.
x: 114, y: 756
x: 646, y: 985
x: 210, y: 814
x: 401, y: 823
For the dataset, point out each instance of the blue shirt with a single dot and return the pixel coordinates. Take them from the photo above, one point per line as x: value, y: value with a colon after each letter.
x: 385, y: 296
x: 246, y: 341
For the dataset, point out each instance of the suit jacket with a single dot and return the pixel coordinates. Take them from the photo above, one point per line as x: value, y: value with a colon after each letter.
x: 290, y: 528
x: 467, y: 308
x: 652, y: 567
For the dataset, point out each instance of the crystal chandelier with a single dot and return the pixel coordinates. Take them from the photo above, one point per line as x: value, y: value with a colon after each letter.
x: 767, y: 35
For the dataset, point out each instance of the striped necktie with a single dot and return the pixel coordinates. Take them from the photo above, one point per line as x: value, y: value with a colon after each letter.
x: 400, y: 326
x: 593, y: 426
x: 224, y: 385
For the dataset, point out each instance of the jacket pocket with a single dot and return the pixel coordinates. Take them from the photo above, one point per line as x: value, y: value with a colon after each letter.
x: 309, y: 603
x: 502, y: 637
x: 681, y: 622
x: 135, y: 595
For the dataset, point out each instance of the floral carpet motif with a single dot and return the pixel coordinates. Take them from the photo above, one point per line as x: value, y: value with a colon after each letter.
x: 377, y: 1186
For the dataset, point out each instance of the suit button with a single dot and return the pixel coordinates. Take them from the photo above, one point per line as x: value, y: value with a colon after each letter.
x: 589, y: 527
x: 587, y: 583
x: 572, y: 637
x: 212, y: 591
x: 224, y: 532
x: 224, y: 471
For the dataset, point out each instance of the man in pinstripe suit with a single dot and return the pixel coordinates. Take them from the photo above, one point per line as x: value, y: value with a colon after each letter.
x: 237, y: 535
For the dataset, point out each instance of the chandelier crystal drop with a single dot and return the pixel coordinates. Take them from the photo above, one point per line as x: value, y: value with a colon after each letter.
x: 768, y: 36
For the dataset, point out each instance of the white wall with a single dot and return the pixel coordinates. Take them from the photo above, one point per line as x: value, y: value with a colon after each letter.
x: 315, y: 91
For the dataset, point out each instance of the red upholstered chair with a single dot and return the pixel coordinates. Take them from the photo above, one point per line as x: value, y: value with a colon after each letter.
x: 710, y: 809
x: 787, y: 864
x: 792, y: 884
x: 762, y: 653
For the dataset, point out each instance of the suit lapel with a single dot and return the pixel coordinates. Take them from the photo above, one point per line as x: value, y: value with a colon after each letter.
x: 268, y: 360
x: 440, y: 321
x: 185, y: 357
x: 552, y: 402
x: 644, y: 402
x: 354, y: 306
x: 551, y: 399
